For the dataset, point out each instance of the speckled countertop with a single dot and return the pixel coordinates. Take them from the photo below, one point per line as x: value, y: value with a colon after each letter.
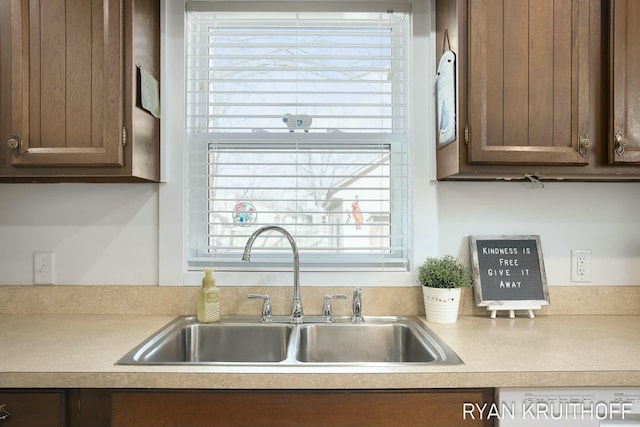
x: 80, y: 350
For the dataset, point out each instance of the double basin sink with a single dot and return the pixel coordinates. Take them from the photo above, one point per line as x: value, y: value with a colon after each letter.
x: 243, y: 341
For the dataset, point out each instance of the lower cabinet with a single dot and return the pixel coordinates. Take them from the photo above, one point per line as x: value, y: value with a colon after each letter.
x: 23, y: 408
x: 251, y: 408
x: 239, y: 408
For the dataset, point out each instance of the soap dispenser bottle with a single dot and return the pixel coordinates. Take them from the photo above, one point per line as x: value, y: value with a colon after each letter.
x: 208, y: 299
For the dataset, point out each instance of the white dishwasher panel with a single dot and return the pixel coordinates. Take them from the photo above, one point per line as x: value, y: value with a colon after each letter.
x: 568, y: 407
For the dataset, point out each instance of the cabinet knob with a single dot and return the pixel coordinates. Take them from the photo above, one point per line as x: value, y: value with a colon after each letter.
x: 14, y: 142
x: 14, y: 145
x: 621, y: 142
x: 4, y: 414
x: 584, y: 144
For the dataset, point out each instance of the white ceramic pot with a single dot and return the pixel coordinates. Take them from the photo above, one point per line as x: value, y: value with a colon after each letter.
x: 441, y: 304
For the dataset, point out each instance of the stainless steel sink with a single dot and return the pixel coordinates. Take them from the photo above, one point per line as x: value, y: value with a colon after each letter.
x: 364, y: 343
x: 185, y: 341
x: 239, y: 341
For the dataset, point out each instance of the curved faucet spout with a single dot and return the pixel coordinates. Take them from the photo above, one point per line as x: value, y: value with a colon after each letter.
x: 296, y: 305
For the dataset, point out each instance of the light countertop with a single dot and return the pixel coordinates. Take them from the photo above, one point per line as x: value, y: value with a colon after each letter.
x: 77, y: 351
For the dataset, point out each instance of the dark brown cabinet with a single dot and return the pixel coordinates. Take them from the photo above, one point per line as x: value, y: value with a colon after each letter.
x: 32, y: 408
x: 532, y: 94
x: 528, y: 82
x: 251, y: 408
x: 624, y: 132
x: 71, y: 89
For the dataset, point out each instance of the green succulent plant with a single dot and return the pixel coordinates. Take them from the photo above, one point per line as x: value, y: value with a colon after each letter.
x: 445, y: 272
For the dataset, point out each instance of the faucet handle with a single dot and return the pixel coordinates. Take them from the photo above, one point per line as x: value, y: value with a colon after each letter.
x: 326, y: 308
x: 266, y: 306
x: 357, y: 306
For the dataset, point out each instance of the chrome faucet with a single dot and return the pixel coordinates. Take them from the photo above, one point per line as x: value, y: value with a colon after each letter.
x: 296, y: 304
x: 357, y: 306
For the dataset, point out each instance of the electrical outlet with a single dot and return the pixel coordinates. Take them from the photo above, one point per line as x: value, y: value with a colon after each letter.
x: 44, y: 272
x: 581, y: 265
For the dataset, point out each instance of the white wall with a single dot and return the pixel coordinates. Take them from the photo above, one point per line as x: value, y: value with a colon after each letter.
x: 100, y: 233
x: 107, y: 234
x: 602, y: 217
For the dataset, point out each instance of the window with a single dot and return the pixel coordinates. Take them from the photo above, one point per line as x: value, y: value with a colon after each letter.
x: 298, y: 119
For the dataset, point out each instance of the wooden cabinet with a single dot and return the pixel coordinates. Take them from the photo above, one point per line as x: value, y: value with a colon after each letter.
x: 32, y: 408
x: 253, y: 408
x: 66, y: 83
x: 528, y: 81
x: 71, y: 86
x: 624, y: 131
x: 532, y: 89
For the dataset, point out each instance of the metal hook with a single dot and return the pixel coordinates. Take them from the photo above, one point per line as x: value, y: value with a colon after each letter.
x: 534, y: 180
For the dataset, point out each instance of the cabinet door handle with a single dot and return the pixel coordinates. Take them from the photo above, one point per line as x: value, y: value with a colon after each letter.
x: 621, y: 142
x: 4, y: 414
x: 14, y: 145
x: 584, y: 144
x: 14, y: 142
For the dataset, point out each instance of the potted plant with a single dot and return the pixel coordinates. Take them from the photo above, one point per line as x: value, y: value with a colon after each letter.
x: 441, y: 280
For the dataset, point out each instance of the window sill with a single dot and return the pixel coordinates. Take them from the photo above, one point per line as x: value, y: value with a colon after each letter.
x: 307, y: 278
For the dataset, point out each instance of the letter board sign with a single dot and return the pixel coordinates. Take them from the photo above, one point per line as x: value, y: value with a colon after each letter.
x: 508, y: 271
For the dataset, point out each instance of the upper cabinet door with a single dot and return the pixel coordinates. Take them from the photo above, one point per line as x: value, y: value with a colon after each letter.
x: 529, y: 82
x: 624, y: 143
x: 67, y: 77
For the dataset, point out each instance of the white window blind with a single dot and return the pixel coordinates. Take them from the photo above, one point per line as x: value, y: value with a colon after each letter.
x: 298, y: 119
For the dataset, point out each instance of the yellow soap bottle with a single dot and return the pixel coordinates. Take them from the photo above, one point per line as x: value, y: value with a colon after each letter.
x: 208, y: 299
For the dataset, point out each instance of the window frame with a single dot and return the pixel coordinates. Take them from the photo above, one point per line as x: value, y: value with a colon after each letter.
x: 392, y: 140
x: 423, y: 233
